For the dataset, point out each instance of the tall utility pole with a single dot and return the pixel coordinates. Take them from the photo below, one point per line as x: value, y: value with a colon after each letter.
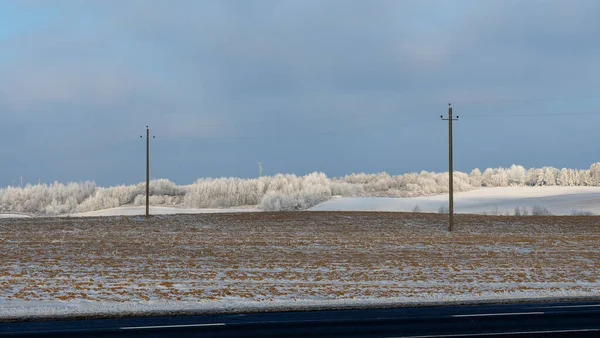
x: 259, y: 169
x: 147, y: 170
x: 450, y: 167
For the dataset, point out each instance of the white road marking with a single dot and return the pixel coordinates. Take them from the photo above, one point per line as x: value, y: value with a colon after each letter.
x: 169, y: 326
x: 500, y: 333
x: 566, y: 306
x: 499, y: 314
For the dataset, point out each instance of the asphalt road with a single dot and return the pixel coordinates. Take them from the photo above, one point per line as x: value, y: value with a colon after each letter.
x: 527, y: 320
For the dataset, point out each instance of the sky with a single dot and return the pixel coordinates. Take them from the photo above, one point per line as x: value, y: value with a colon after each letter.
x: 337, y: 86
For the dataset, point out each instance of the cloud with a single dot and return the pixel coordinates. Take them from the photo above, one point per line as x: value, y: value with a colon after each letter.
x: 240, y: 51
x: 281, y: 69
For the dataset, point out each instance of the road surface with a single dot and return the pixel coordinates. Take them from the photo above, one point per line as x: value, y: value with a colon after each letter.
x: 528, y: 320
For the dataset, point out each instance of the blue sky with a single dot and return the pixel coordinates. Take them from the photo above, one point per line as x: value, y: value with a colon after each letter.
x: 338, y: 86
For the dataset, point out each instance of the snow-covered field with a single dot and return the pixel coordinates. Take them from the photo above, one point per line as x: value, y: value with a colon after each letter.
x: 15, y: 309
x: 154, y: 210
x: 502, y: 200
x: 141, y: 210
x: 13, y: 216
x: 241, y: 261
x: 492, y: 201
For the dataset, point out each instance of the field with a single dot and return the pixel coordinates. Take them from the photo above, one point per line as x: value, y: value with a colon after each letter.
x: 156, y: 210
x: 296, y: 257
x: 558, y: 200
x: 492, y: 201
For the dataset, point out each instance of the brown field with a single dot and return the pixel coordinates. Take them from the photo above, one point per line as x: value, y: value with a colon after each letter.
x: 296, y: 256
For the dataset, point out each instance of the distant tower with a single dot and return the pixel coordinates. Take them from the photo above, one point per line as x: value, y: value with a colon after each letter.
x: 259, y: 169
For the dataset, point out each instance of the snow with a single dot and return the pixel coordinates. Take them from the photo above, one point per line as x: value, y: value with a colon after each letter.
x: 558, y: 200
x: 502, y: 200
x: 13, y: 216
x: 19, y: 309
x: 141, y: 210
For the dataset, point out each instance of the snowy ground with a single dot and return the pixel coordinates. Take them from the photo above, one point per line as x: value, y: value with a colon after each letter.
x: 491, y: 201
x: 259, y: 260
x: 141, y: 210
x: 13, y: 216
x: 558, y: 200
x: 15, y: 309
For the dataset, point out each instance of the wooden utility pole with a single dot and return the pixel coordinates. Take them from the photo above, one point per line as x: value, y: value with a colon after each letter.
x: 450, y: 168
x: 148, y: 170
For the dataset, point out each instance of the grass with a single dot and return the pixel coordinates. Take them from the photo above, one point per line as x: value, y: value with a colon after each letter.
x: 297, y: 255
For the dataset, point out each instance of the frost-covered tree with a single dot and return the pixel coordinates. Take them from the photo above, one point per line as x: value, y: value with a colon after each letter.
x: 531, y: 177
x: 516, y: 175
x: 487, y: 177
x: 594, y: 174
x: 461, y: 182
x: 298, y: 194
x: 475, y: 178
x: 50, y: 199
x: 495, y: 177
x: 549, y: 177
x: 563, y: 178
x: 535, y: 177
x: 584, y: 177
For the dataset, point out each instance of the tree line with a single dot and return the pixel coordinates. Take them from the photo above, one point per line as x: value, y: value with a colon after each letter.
x: 278, y: 192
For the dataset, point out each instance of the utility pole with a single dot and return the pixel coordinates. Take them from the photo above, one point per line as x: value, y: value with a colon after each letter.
x: 450, y: 167
x: 259, y: 169
x: 147, y: 170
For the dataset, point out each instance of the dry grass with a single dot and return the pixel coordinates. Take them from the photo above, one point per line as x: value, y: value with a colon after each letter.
x: 303, y: 255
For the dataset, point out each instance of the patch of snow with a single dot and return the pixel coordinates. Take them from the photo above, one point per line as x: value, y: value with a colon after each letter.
x: 19, y: 309
x: 502, y: 200
x: 141, y: 210
x: 13, y: 216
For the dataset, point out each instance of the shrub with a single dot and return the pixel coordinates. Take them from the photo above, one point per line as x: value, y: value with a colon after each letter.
x: 576, y: 212
x: 538, y: 210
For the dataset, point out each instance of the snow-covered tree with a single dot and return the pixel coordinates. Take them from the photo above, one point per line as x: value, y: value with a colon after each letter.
x: 495, y: 177
x: 594, y: 174
x: 564, y: 177
x: 475, y: 178
x: 549, y: 176
x: 516, y: 175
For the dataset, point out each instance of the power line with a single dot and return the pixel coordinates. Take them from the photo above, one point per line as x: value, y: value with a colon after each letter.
x: 533, y: 114
x: 376, y: 126
x: 466, y: 102
x: 337, y: 129
x: 530, y: 99
x: 391, y: 109
x: 311, y: 132
x: 209, y: 138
